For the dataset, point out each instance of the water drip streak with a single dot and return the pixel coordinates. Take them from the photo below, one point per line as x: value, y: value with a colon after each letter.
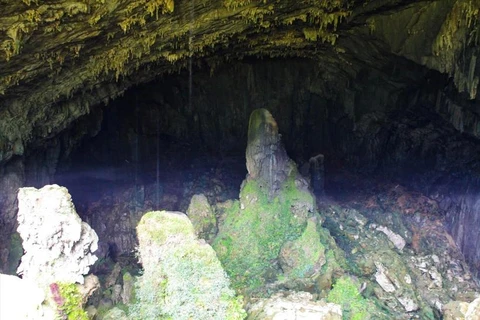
x: 136, y: 155
x: 190, y: 52
x: 157, y: 189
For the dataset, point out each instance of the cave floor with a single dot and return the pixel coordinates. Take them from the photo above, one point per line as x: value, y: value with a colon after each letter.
x: 357, y: 211
x: 114, y: 205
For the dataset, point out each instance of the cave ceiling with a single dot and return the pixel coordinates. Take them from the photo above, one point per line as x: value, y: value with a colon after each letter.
x: 60, y: 58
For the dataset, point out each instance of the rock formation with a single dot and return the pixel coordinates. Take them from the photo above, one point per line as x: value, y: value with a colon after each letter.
x: 202, y: 217
x: 182, y: 277
x: 267, y: 161
x: 58, y: 245
x: 273, y: 231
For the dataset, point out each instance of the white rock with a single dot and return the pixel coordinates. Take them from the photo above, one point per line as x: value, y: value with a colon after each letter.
x: 473, y: 311
x: 58, y: 245
x: 22, y: 299
x: 382, y: 279
x: 436, y: 277
x: 408, y: 304
x: 407, y: 279
x: 294, y: 305
x: 396, y: 239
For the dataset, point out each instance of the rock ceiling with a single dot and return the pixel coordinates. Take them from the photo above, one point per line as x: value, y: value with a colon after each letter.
x: 58, y: 58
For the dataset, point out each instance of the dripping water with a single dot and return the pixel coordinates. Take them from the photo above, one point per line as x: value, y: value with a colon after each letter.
x: 136, y: 157
x: 157, y: 181
x: 190, y: 51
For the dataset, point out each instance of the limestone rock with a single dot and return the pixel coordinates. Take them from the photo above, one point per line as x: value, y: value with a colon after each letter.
x: 459, y: 310
x: 396, y: 239
x: 303, y: 257
x: 473, y: 310
x: 382, y: 278
x: 182, y: 278
x: 267, y: 160
x: 22, y: 299
x: 128, y: 285
x: 272, y: 233
x: 113, y: 276
x: 455, y: 310
x: 58, y: 245
x: 90, y: 285
x: 293, y: 305
x: 202, y: 216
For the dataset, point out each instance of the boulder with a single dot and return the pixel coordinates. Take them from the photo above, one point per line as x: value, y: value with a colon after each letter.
x: 202, y: 217
x: 58, y: 245
x: 182, y: 278
x: 127, y: 290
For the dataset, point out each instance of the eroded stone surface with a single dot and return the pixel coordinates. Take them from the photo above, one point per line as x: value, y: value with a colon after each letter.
x: 58, y: 245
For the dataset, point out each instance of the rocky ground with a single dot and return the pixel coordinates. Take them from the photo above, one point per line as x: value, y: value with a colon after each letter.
x: 398, y: 254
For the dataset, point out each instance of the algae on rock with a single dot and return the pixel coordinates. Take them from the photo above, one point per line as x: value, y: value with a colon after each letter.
x: 182, y: 278
x: 271, y: 235
x: 202, y: 217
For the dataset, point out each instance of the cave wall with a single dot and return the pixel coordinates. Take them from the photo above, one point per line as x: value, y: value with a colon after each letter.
x: 317, y: 112
x: 396, y: 122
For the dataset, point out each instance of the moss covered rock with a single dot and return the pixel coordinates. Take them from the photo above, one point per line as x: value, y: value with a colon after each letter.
x: 202, y: 216
x: 273, y: 233
x: 183, y: 278
x: 346, y: 293
x: 304, y: 256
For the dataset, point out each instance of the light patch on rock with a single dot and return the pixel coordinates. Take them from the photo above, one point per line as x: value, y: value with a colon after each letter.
x: 408, y: 304
x: 382, y: 278
x: 58, y: 245
x: 473, y: 311
x: 396, y: 239
x: 408, y: 279
x: 436, y: 277
x: 294, y: 305
x: 90, y: 285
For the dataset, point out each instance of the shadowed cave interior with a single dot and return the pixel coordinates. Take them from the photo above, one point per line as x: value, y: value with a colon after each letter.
x: 184, y: 134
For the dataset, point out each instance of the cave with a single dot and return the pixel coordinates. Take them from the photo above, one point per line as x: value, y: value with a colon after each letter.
x: 138, y: 105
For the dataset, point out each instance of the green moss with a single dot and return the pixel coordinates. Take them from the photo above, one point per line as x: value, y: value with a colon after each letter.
x: 251, y: 238
x: 307, y: 252
x: 346, y: 294
x: 183, y: 278
x: 72, y: 302
x: 159, y: 225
